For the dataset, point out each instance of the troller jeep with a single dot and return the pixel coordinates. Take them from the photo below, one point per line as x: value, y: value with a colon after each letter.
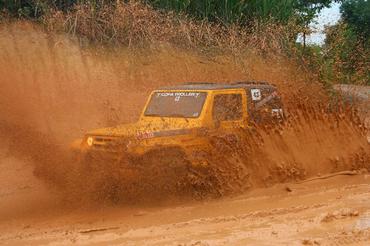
x: 183, y: 117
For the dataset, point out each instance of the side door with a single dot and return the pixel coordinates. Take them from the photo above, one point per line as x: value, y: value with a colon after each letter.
x: 228, y: 111
x: 229, y: 118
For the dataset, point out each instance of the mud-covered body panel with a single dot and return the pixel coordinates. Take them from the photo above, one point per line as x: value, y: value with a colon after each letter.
x: 192, y: 135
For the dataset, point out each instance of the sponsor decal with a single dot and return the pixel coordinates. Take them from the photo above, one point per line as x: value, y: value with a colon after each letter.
x: 256, y: 94
x: 144, y: 135
x: 147, y: 135
x: 277, y: 112
x: 178, y: 95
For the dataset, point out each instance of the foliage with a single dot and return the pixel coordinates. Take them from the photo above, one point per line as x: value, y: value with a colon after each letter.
x: 104, y: 20
x: 356, y: 13
x: 223, y: 11
x: 347, y: 46
x: 135, y: 24
x: 24, y: 8
x: 245, y: 11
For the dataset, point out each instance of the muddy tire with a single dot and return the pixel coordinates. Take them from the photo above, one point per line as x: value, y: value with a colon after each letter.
x: 163, y: 171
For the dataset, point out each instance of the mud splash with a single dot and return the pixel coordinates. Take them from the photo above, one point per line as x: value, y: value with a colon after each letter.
x: 52, y: 91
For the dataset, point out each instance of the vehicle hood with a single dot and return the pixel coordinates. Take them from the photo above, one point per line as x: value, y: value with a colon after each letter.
x: 147, y: 129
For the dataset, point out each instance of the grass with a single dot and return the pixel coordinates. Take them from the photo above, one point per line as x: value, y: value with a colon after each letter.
x: 135, y: 24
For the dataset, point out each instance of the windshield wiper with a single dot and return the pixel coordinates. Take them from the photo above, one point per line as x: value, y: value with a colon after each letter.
x: 155, y: 115
x: 177, y: 115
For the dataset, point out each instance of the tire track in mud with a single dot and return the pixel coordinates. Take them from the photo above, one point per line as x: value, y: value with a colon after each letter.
x: 295, y: 218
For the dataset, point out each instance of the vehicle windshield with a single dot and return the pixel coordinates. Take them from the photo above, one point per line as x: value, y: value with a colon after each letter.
x: 187, y: 104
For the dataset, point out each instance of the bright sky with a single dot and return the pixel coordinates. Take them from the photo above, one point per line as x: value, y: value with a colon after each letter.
x: 327, y: 16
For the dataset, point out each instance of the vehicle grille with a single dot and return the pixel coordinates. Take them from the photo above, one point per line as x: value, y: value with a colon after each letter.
x: 109, y: 144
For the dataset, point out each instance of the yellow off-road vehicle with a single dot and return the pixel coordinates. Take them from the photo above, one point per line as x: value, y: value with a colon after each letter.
x: 180, y: 121
x: 183, y: 116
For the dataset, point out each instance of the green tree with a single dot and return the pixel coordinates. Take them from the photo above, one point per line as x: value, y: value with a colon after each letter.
x: 356, y: 14
x: 347, y: 46
x: 243, y: 11
x: 247, y: 12
x: 24, y: 8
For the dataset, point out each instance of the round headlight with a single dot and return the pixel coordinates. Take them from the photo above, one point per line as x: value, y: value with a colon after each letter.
x: 90, y: 141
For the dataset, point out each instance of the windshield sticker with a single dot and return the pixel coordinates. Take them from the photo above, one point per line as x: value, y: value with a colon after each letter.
x: 256, y: 94
x: 177, y: 95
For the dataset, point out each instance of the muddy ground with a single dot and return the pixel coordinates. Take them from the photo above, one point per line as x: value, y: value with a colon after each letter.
x: 326, y: 211
x: 307, y: 181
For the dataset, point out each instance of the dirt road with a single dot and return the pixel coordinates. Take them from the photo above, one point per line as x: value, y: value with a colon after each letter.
x: 326, y: 211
